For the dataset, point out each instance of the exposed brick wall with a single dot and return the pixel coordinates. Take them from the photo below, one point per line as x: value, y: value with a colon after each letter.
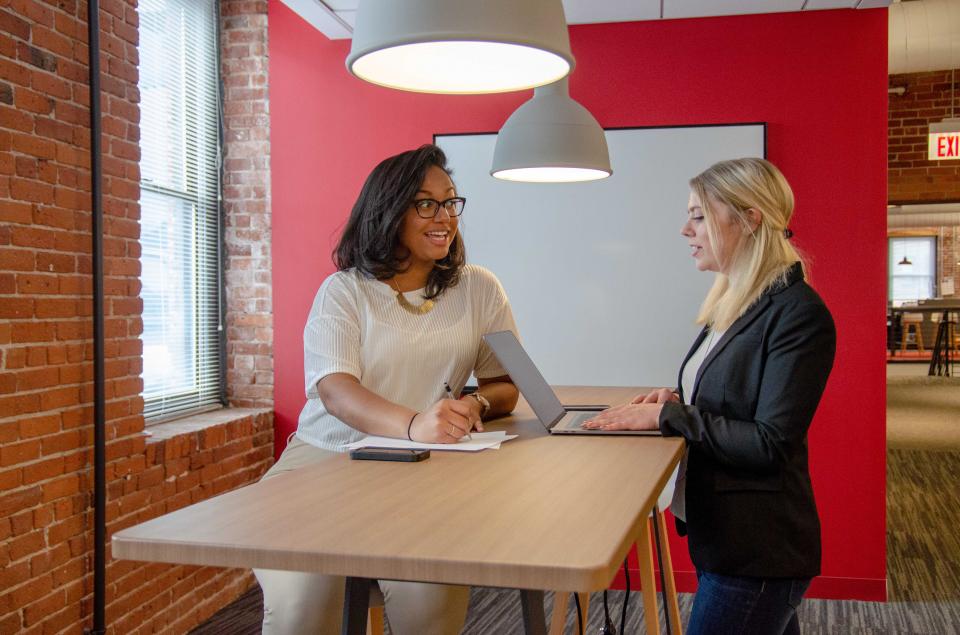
x: 948, y: 251
x: 911, y: 177
x: 246, y: 196
x: 188, y: 463
x: 46, y: 349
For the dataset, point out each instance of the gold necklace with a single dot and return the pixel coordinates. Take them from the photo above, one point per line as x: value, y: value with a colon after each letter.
x: 426, y: 307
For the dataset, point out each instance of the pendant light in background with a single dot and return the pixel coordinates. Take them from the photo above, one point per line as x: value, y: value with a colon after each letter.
x: 551, y: 139
x: 460, y: 46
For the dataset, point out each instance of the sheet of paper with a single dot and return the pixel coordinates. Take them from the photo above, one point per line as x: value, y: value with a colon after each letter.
x: 479, y: 441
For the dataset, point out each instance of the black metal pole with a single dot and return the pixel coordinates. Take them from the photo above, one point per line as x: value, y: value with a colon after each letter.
x: 99, y: 423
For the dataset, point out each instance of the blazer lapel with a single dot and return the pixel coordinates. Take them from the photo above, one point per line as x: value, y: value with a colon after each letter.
x: 742, y: 322
x: 794, y: 274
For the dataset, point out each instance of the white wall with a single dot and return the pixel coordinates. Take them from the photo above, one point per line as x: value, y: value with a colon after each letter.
x: 602, y: 284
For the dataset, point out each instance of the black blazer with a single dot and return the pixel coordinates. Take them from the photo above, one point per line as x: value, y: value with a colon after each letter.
x: 749, y: 503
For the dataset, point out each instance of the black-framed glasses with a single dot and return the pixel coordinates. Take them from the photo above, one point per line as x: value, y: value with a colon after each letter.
x: 428, y: 207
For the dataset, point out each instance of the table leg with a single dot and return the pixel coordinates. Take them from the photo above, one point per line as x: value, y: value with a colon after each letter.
x: 668, y: 584
x: 356, y: 602
x: 534, y: 621
x: 648, y: 585
x: 559, y: 619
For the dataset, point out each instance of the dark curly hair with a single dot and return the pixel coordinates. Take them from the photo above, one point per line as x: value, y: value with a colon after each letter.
x: 371, y: 242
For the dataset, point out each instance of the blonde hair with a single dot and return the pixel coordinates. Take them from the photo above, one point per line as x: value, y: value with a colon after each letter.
x: 763, y: 255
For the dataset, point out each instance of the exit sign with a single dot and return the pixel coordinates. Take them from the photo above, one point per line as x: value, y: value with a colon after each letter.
x: 944, y: 141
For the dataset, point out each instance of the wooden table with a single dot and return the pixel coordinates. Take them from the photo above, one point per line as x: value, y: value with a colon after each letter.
x: 541, y: 513
x: 941, y: 359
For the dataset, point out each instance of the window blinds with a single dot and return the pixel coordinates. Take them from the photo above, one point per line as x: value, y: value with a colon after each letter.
x: 179, y: 203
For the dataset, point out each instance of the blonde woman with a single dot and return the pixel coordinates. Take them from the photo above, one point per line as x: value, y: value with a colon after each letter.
x: 748, y: 390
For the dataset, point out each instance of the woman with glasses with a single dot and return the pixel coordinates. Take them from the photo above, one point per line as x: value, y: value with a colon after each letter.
x: 746, y: 395
x: 399, y: 322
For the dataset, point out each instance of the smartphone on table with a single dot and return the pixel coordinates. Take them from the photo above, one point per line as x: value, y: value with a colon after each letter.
x: 389, y: 454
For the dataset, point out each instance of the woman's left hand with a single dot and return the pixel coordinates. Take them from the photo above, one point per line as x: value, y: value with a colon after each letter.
x: 634, y: 416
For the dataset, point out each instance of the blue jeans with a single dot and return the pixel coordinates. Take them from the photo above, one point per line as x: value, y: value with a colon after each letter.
x: 746, y: 606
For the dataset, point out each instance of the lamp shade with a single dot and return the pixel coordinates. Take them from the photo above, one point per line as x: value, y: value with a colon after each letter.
x: 551, y: 139
x: 460, y: 46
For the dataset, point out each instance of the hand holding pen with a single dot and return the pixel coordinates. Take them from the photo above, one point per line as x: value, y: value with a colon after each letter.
x: 446, y: 388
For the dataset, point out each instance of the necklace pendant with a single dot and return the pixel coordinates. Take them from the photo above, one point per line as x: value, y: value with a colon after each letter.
x: 426, y: 307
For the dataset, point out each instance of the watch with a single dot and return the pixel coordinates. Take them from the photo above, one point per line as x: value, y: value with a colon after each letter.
x: 483, y: 401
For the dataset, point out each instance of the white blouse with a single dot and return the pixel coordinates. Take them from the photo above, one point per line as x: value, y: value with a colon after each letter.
x: 356, y: 326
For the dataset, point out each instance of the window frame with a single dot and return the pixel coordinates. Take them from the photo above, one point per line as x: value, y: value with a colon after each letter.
x: 912, y: 236
x: 203, y: 352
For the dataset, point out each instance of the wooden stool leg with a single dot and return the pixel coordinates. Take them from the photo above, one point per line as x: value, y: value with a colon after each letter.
x: 648, y: 586
x: 559, y: 618
x: 904, y: 328
x: 584, y: 605
x: 918, y: 330
x: 375, y: 621
x: 670, y: 593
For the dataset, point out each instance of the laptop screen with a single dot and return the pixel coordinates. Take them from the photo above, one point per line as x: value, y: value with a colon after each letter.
x: 526, y: 376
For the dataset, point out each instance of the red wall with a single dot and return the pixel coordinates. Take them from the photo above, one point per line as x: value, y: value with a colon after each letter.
x: 819, y: 81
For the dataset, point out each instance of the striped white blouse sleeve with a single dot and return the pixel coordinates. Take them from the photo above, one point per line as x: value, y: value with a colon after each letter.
x: 498, y: 317
x: 331, y: 339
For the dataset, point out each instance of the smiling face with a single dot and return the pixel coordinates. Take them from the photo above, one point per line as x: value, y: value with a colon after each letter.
x: 429, y: 239
x: 728, y: 230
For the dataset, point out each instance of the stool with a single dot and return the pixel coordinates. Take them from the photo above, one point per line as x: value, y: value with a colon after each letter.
x: 917, y: 333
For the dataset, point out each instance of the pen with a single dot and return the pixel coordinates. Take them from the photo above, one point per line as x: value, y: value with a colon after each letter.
x: 446, y: 387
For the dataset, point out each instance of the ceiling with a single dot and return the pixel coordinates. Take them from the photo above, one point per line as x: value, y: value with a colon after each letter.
x: 335, y: 18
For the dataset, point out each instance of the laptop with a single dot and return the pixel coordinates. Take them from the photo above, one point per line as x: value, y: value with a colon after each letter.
x: 555, y: 417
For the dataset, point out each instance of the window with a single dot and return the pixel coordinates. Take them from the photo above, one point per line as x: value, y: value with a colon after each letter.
x: 180, y: 207
x: 913, y: 269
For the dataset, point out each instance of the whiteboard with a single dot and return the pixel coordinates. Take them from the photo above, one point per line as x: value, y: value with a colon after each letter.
x: 602, y: 284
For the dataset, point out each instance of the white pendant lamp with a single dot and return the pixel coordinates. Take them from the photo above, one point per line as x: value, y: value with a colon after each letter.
x: 460, y: 46
x: 551, y: 139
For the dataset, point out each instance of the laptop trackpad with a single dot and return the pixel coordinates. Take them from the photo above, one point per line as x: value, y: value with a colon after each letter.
x: 574, y: 420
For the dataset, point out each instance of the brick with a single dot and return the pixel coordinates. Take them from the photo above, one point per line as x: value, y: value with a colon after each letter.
x: 50, y: 40
x: 38, y: 426
x: 15, y: 453
x: 16, y: 308
x: 15, y: 501
x: 34, y: 146
x: 14, y: 25
x: 42, y: 470
x: 61, y: 442
x: 60, y: 488
x: 38, y: 378
x: 59, y: 398
x: 32, y: 284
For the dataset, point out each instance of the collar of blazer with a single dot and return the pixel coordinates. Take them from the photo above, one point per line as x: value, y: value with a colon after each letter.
x: 794, y: 275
